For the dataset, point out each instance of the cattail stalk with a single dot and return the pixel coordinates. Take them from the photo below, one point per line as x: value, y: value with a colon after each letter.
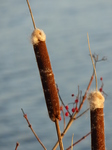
x: 96, y: 101
x: 47, y: 79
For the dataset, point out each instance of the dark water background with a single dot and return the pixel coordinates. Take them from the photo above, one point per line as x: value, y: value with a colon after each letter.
x: 66, y: 24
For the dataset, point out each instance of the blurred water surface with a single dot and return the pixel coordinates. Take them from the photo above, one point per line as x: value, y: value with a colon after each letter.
x: 66, y: 24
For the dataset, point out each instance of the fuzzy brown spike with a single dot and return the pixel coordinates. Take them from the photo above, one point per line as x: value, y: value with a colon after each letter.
x: 96, y: 101
x: 46, y: 74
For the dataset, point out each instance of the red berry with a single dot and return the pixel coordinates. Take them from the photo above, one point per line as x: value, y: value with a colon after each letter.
x: 60, y: 118
x: 76, y: 109
x: 100, y: 89
x: 73, y: 110
x: 66, y: 107
x: 66, y: 114
x: 72, y: 95
x: 101, y: 78
x: 61, y: 108
x: 76, y: 101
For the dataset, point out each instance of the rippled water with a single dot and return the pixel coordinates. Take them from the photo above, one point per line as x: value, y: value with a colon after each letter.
x: 66, y: 24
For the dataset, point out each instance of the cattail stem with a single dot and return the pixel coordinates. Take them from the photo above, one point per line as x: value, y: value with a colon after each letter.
x: 47, y: 79
x: 31, y: 15
x: 59, y: 134
x: 96, y: 101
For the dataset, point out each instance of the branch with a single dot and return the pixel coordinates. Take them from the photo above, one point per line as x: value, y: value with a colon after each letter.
x: 17, y: 144
x: 72, y: 119
x: 92, y: 62
x: 79, y: 140
x: 30, y: 126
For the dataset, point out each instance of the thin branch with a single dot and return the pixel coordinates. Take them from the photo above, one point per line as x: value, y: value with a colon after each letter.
x: 31, y: 14
x: 64, y: 104
x: 17, y: 144
x: 81, y: 114
x: 85, y: 95
x: 92, y: 61
x: 79, y: 140
x: 64, y: 118
x: 72, y: 119
x: 30, y: 126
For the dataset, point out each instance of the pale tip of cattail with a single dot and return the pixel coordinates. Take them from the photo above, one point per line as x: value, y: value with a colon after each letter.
x: 96, y: 100
x: 37, y: 36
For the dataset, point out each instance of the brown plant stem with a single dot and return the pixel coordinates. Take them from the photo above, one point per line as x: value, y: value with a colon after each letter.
x: 31, y: 14
x: 72, y: 119
x: 17, y: 144
x: 59, y: 134
x: 85, y: 95
x: 30, y: 126
x: 81, y: 114
x: 79, y: 141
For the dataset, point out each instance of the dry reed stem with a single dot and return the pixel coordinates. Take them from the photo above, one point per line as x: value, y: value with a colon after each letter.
x: 72, y: 119
x: 31, y: 14
x: 30, y: 126
x: 92, y: 61
x: 17, y: 144
x: 79, y: 141
x: 59, y: 134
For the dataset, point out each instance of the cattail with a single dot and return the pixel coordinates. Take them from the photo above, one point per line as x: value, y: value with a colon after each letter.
x: 96, y: 101
x: 47, y: 77
x: 38, y: 38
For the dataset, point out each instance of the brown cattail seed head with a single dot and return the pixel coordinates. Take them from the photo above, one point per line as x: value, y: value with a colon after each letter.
x: 47, y: 77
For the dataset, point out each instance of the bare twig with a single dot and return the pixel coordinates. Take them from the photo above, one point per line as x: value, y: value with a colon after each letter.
x: 63, y: 104
x: 84, y: 97
x: 30, y: 126
x: 17, y: 144
x: 81, y: 114
x: 63, y: 118
x: 79, y: 140
x: 92, y: 62
x: 72, y: 119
